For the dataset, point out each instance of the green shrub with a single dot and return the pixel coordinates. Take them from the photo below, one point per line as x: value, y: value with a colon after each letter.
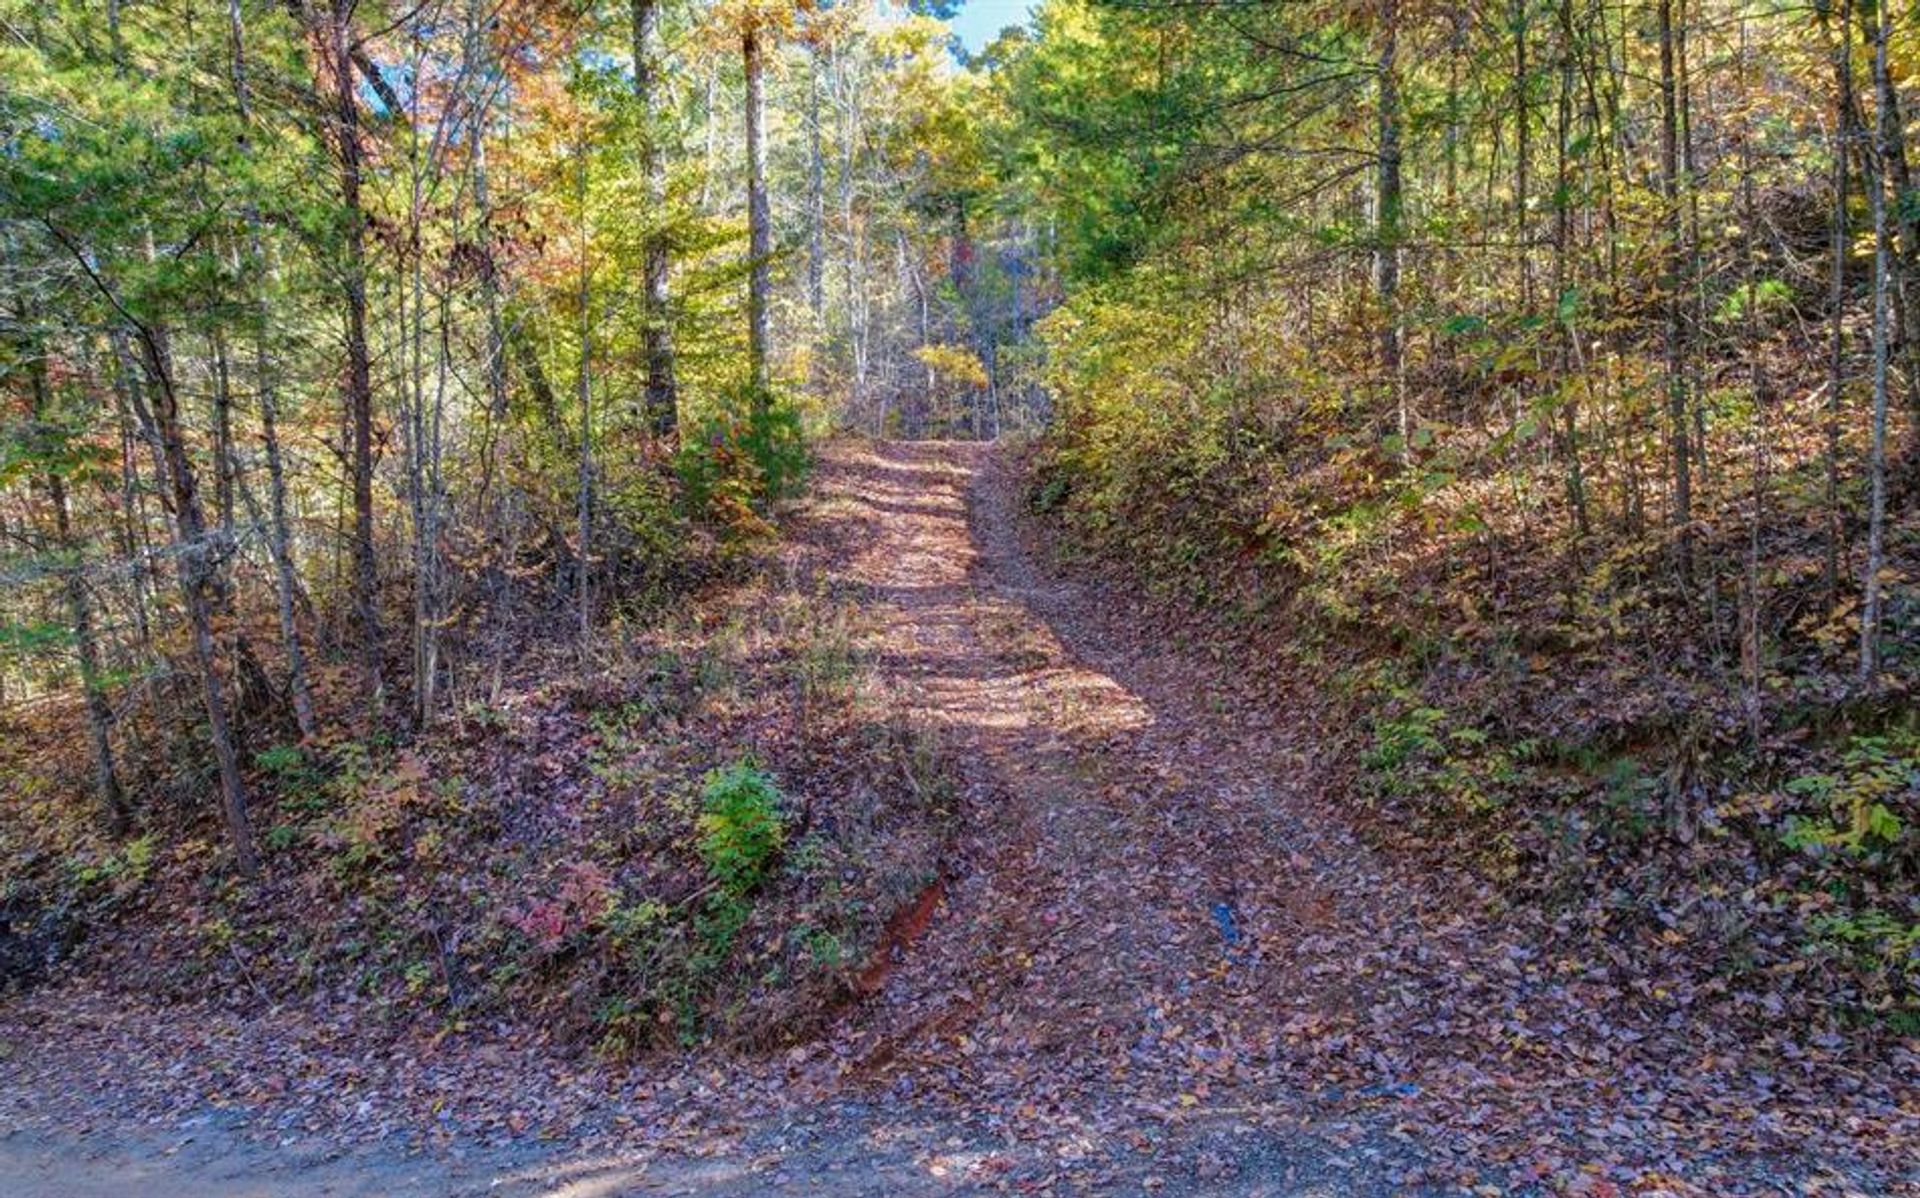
x: 735, y: 465
x: 1399, y: 739
x: 1051, y: 491
x: 742, y: 827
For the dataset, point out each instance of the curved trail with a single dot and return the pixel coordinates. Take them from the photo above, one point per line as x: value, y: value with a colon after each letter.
x: 1162, y: 964
x: 1152, y: 882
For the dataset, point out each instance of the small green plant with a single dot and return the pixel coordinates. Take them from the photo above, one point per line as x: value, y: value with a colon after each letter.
x: 1876, y: 773
x: 1630, y: 798
x: 827, y: 664
x: 300, y: 780
x: 282, y: 837
x: 741, y: 826
x: 120, y: 872
x: 281, y: 760
x: 630, y: 927
x: 1051, y: 493
x: 418, y: 975
x: 735, y: 466
x: 620, y: 733
x: 1397, y: 740
x: 823, y: 946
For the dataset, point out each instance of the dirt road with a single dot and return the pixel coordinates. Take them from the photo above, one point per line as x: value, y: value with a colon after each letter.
x: 1164, y: 963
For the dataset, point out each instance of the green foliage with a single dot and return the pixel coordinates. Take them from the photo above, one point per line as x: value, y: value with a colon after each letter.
x: 1628, y: 796
x: 742, y: 827
x: 1769, y: 297
x: 119, y: 871
x: 1398, y: 739
x: 283, y: 760
x: 630, y: 926
x: 1878, y: 780
x: 826, y: 662
x: 644, y: 530
x: 1051, y: 491
x: 733, y: 467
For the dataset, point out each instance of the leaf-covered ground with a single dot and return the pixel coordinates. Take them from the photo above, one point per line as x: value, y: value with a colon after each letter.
x: 1161, y: 960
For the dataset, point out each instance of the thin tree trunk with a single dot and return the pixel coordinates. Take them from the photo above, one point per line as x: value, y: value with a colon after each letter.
x: 759, y: 221
x: 1906, y: 249
x: 1562, y: 248
x: 135, y: 542
x: 1692, y: 257
x: 854, y: 260
x: 1752, y: 645
x: 496, y: 499
x: 1387, y: 200
x: 1674, y: 220
x: 266, y: 385
x: 337, y: 46
x: 1882, y: 305
x: 421, y: 424
x: 223, y: 463
x: 1521, y: 154
x: 584, y: 386
x: 1837, y: 292
x: 255, y: 692
x: 816, y: 198
x: 106, y: 778
x: 662, y: 389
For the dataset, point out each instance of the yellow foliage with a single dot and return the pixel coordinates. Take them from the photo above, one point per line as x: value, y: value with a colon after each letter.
x: 954, y: 364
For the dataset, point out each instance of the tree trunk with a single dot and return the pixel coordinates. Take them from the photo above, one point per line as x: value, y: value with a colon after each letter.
x: 496, y: 499
x: 279, y: 533
x: 854, y: 260
x: 1563, y: 275
x: 1837, y: 292
x: 662, y: 390
x: 337, y: 47
x: 584, y: 386
x: 1521, y: 154
x: 1906, y: 249
x: 816, y: 198
x: 1882, y: 306
x: 1387, y: 200
x: 1675, y: 235
x: 759, y: 222
x: 1752, y: 645
x: 106, y: 778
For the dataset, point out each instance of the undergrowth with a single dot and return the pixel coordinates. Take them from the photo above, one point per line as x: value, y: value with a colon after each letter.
x: 695, y: 832
x: 1660, y: 765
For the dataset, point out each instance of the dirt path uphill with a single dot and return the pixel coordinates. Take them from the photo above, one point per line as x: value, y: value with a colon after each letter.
x: 1161, y: 963
x: 1166, y: 920
x: 1148, y: 883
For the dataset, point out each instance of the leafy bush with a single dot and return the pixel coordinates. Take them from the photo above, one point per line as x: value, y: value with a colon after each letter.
x: 733, y: 466
x: 742, y: 827
x: 641, y: 534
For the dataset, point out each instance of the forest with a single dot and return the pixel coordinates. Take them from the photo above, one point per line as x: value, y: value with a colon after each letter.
x: 1115, y: 596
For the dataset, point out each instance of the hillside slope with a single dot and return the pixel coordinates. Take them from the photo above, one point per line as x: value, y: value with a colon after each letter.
x: 1162, y: 958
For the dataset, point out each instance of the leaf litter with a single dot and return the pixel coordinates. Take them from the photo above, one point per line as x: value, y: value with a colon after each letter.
x: 1162, y: 960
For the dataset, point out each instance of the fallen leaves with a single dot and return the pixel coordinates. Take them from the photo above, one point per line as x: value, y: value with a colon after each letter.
x: 1167, y: 961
